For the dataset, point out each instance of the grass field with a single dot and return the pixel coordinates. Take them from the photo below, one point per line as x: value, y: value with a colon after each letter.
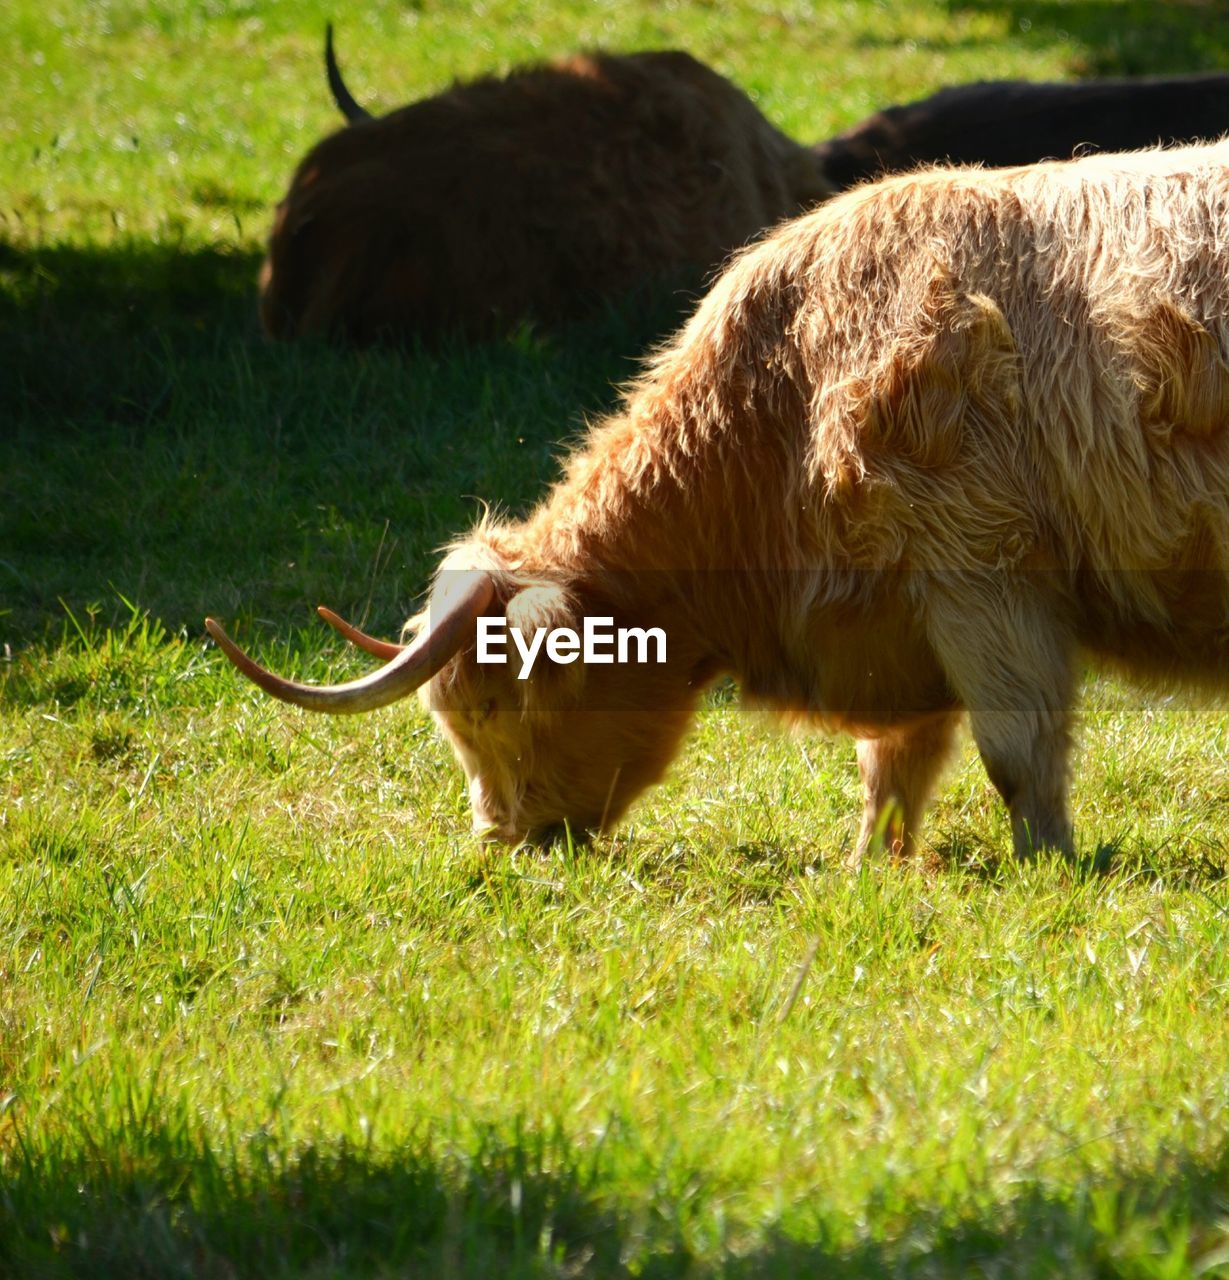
x: 266, y: 1009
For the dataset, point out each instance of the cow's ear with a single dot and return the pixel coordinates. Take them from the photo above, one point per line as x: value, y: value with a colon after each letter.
x: 541, y: 604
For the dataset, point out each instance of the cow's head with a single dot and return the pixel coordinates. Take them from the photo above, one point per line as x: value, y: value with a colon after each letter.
x: 570, y: 744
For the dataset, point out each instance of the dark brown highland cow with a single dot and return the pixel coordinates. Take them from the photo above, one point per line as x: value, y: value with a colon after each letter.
x: 532, y: 195
x: 541, y: 193
x: 916, y: 455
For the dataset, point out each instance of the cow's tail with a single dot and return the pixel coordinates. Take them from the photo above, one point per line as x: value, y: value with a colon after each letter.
x: 337, y: 86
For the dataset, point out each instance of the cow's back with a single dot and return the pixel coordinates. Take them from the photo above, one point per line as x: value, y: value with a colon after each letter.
x: 1016, y: 372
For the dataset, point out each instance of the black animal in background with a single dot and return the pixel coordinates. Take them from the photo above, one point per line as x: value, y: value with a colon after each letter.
x: 1010, y: 122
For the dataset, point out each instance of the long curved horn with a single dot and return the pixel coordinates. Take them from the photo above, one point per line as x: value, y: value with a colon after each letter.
x: 378, y: 648
x: 337, y: 86
x: 412, y: 667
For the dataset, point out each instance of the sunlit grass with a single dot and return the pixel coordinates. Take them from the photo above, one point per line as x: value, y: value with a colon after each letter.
x: 254, y: 971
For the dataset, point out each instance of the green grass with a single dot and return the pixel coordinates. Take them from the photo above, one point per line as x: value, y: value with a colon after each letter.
x: 265, y: 1007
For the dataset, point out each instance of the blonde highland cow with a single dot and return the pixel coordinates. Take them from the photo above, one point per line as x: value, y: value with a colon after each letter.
x: 914, y: 457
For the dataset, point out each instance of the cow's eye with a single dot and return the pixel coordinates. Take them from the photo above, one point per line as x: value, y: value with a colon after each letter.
x: 486, y: 710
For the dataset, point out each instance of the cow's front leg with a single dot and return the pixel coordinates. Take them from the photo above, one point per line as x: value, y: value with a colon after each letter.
x: 899, y: 770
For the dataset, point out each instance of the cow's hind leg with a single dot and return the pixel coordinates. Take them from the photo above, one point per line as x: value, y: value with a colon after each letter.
x: 1026, y: 757
x: 899, y: 769
x: 1011, y: 664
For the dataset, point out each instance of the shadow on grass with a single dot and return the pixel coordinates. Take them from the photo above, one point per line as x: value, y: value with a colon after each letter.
x: 536, y: 1206
x: 1137, y: 37
x: 158, y: 449
x: 93, y: 333
x: 1184, y: 864
x: 84, y: 327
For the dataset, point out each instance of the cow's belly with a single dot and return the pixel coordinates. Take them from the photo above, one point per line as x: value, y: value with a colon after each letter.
x: 859, y: 670
x: 1171, y: 624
